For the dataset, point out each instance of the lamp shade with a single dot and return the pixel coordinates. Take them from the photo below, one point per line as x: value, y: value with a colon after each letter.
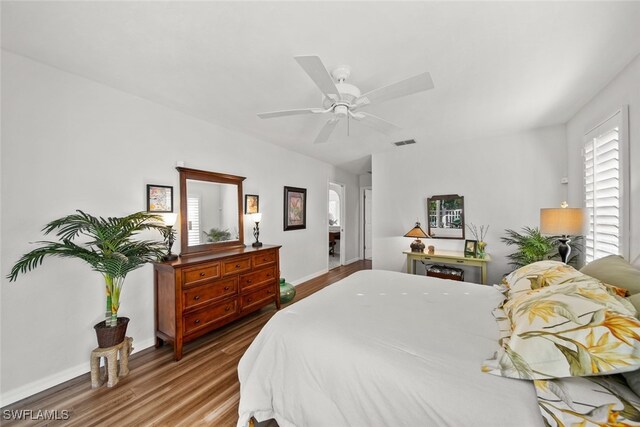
x: 416, y: 232
x: 256, y: 217
x: 169, y: 219
x: 562, y: 221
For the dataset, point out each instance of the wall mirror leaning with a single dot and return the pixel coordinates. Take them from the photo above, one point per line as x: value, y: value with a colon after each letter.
x: 446, y: 216
x: 210, y: 211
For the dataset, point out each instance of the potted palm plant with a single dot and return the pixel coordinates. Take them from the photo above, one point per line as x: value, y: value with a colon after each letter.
x: 532, y: 246
x: 110, y: 250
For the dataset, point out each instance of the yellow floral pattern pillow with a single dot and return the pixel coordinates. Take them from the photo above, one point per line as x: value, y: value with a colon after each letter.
x: 574, y: 328
x: 593, y: 401
x: 538, y: 275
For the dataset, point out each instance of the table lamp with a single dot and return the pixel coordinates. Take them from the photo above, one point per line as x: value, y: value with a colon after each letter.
x: 417, y: 233
x: 563, y: 221
x: 169, y: 220
x: 256, y: 217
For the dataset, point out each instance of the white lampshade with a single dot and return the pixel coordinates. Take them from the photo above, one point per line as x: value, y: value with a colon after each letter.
x: 562, y: 221
x: 256, y: 217
x: 169, y: 219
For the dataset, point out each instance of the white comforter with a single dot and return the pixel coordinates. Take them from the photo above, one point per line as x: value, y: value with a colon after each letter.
x: 381, y: 348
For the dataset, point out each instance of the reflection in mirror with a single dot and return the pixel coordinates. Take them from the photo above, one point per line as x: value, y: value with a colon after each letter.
x: 446, y: 216
x: 212, y: 212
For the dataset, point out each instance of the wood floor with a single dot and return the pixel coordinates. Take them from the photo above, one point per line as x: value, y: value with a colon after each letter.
x: 200, y: 389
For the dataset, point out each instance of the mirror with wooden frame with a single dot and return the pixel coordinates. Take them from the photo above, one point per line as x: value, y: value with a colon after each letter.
x: 210, y: 211
x: 445, y: 215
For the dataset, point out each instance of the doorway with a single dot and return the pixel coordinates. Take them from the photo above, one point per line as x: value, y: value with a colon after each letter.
x: 336, y: 225
x: 367, y: 222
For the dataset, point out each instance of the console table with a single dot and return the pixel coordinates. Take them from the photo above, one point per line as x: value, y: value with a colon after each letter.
x: 444, y: 257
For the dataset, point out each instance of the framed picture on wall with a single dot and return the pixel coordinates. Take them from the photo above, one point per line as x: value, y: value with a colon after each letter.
x: 251, y: 204
x: 159, y: 198
x: 295, y: 208
x: 470, y: 248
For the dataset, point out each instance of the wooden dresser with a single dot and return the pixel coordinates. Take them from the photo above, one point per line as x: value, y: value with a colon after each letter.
x: 197, y: 294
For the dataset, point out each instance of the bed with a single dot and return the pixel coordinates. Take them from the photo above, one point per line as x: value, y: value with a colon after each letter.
x: 381, y: 348
x: 551, y: 346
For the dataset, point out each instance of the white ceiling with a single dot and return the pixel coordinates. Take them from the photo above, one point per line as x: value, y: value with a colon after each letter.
x: 498, y: 67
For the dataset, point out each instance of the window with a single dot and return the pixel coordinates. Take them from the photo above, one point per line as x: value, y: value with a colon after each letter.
x: 193, y: 218
x: 606, y: 167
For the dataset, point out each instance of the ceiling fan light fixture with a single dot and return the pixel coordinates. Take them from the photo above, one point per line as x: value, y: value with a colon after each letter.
x: 341, y: 110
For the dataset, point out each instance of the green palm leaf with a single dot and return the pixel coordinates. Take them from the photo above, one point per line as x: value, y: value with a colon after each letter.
x: 109, y: 247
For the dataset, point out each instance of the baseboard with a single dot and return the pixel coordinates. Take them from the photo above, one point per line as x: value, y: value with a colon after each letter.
x: 309, y: 277
x: 43, y: 384
x: 351, y: 261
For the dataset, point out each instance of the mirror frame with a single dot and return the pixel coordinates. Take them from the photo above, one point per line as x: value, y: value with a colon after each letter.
x: 445, y: 197
x: 200, y: 175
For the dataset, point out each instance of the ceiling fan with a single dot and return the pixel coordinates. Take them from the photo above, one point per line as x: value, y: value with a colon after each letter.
x: 343, y: 100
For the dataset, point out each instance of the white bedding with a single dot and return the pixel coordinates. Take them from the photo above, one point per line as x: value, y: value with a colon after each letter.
x: 381, y: 348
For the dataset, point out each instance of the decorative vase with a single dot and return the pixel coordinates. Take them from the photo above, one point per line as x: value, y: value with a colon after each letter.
x: 481, y: 247
x: 108, y: 336
x: 287, y: 291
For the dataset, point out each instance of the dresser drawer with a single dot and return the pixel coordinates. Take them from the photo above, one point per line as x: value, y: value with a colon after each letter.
x: 258, y: 297
x: 237, y: 265
x: 201, y: 318
x: 264, y: 258
x: 203, y: 294
x: 257, y: 278
x: 193, y: 276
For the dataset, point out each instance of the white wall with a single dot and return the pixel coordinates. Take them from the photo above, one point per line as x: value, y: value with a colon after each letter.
x: 622, y: 90
x: 505, y: 180
x: 69, y: 143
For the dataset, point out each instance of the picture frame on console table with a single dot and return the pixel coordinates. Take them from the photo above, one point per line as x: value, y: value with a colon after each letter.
x: 295, y: 208
x: 470, y: 248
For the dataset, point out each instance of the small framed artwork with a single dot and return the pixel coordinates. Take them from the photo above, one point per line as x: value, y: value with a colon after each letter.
x: 470, y: 248
x: 251, y: 204
x: 159, y: 198
x: 295, y: 208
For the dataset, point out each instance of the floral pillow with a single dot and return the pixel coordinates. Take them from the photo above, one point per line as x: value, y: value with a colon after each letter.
x: 538, y: 275
x: 593, y: 401
x: 575, y: 328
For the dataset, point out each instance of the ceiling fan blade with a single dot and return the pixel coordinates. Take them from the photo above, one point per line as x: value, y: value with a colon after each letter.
x: 298, y: 112
x: 314, y: 67
x: 326, y: 130
x: 404, y: 87
x: 375, y: 122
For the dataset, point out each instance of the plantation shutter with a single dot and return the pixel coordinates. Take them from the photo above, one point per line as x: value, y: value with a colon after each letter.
x: 193, y: 220
x: 603, y: 186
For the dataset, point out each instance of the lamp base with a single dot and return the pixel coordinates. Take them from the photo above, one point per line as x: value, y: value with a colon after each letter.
x: 170, y: 257
x: 256, y: 244
x: 564, y: 249
x: 417, y: 246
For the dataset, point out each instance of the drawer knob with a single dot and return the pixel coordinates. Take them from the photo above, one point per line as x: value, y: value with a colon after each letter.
x: 196, y: 321
x: 250, y: 299
x: 237, y: 265
x: 248, y: 280
x: 197, y: 297
x: 269, y: 291
x: 227, y: 308
x: 202, y: 274
x: 268, y: 274
x: 265, y: 259
x: 226, y: 288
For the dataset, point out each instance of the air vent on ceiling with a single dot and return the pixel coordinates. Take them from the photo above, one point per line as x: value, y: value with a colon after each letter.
x: 406, y: 142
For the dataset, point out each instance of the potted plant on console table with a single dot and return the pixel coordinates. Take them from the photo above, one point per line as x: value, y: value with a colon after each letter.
x: 110, y: 251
